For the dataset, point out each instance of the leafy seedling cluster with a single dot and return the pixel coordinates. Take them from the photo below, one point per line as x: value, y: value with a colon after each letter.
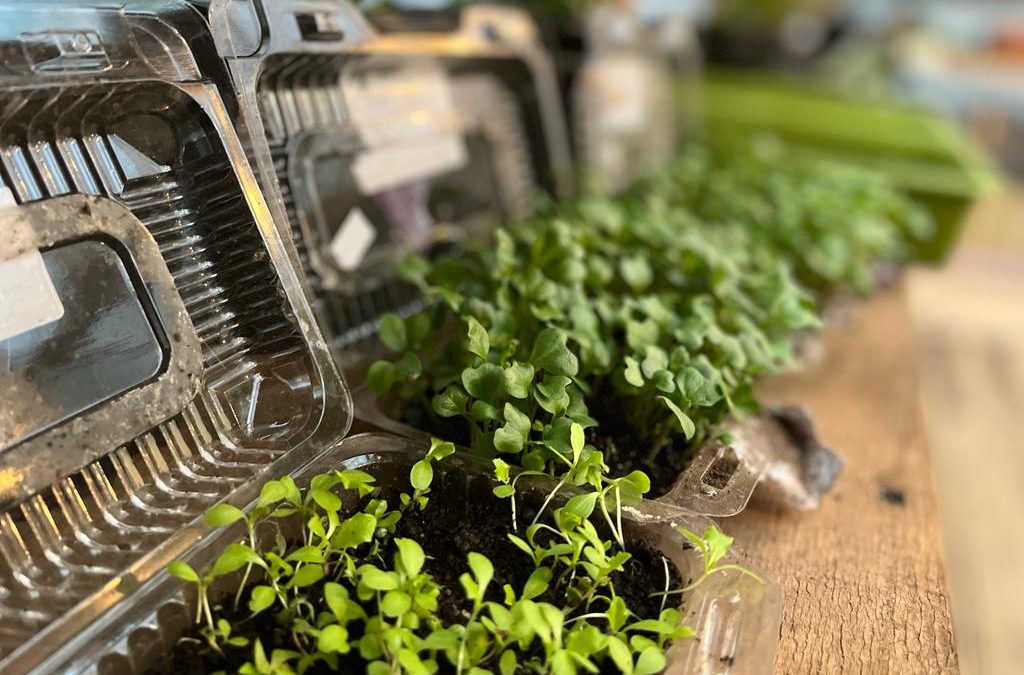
x: 643, y: 319
x: 326, y: 583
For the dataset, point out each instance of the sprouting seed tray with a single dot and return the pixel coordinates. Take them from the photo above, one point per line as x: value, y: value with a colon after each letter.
x: 371, y: 145
x: 736, y: 617
x: 157, y: 351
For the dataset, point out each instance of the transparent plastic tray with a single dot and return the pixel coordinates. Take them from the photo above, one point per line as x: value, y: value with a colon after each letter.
x: 373, y: 144
x: 736, y: 618
x: 159, y: 351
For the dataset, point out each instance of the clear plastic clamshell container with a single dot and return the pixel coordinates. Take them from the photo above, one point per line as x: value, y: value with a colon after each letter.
x: 736, y: 618
x: 623, y: 110
x: 156, y: 349
x: 372, y: 144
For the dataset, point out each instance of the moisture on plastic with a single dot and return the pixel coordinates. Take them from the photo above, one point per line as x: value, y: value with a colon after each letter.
x: 736, y: 618
x: 205, y: 366
x: 370, y: 145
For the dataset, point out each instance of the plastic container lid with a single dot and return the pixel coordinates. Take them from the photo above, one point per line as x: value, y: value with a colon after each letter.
x: 157, y: 350
x: 373, y: 144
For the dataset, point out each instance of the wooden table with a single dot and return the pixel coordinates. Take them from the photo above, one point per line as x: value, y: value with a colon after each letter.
x: 863, y: 578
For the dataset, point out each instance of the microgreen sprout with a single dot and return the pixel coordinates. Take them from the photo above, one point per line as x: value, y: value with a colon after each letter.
x: 640, y: 321
x: 328, y: 563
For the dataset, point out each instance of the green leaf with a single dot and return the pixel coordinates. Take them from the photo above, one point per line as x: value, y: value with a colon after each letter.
x: 512, y: 436
x: 651, y: 661
x: 183, y: 571
x: 222, y: 514
x: 421, y: 475
x: 336, y: 596
x: 562, y: 664
x: 260, y: 598
x: 234, y: 556
x: 507, y: 664
x: 485, y: 382
x: 354, y: 531
x: 307, y: 575
x: 410, y: 555
x: 685, y: 423
x: 408, y: 367
x: 395, y: 603
x: 582, y: 505
x: 617, y: 614
x: 698, y: 389
x: 551, y: 394
x: 333, y: 639
x: 272, y: 491
x: 621, y: 654
x: 718, y: 544
x: 392, y: 332
x: 632, y: 372
x: 484, y: 412
x: 378, y: 580
x: 440, y: 449
x: 451, y: 402
x: 502, y: 470
x: 381, y: 376
x: 326, y: 500
x: 483, y: 570
x: 551, y: 354
x: 306, y: 554
x: 537, y: 584
x: 578, y: 441
x: 478, y: 341
x: 518, y: 379
x: 417, y: 328
x: 641, y: 334
x: 636, y: 272
x: 503, y: 491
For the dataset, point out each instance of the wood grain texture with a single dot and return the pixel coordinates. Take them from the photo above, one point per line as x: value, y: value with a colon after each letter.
x: 863, y: 577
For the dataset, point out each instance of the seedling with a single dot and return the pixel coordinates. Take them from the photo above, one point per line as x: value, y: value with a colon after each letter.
x: 343, y: 588
x: 641, y: 320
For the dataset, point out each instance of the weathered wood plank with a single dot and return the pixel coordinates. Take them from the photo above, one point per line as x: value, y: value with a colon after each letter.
x: 863, y: 577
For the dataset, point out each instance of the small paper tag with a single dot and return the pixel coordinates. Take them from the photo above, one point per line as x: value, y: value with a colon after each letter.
x: 352, y: 241
x: 384, y: 168
x: 27, y: 297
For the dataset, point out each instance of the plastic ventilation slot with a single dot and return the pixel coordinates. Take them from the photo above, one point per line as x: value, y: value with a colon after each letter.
x: 62, y: 545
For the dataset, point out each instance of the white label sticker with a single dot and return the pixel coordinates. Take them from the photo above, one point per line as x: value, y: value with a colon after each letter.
x: 27, y: 297
x: 381, y: 169
x: 352, y: 241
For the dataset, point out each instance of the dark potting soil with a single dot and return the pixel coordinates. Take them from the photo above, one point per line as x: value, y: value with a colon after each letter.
x: 623, y: 453
x: 447, y: 530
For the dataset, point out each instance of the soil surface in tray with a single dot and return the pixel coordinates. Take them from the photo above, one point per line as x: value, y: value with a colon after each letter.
x: 447, y: 530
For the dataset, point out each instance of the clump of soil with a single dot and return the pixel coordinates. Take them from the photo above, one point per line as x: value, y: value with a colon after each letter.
x: 453, y: 524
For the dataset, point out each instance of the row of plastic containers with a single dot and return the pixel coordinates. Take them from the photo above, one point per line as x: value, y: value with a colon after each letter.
x: 200, y: 212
